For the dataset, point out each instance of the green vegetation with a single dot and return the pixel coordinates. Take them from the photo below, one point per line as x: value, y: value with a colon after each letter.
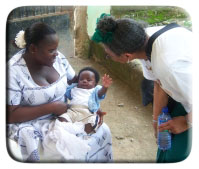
x: 154, y: 15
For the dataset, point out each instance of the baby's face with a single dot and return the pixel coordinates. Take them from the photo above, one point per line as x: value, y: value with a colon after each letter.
x: 86, y: 80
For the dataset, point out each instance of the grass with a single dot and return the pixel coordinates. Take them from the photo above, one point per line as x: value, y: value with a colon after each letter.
x: 155, y: 15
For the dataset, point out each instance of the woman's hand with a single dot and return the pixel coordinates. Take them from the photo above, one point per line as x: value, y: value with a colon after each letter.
x: 58, y: 107
x: 176, y: 125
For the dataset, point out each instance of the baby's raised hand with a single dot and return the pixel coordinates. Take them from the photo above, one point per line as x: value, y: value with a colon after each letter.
x: 106, y: 81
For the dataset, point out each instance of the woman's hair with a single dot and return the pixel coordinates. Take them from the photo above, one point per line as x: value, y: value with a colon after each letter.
x: 37, y: 32
x: 97, y: 76
x: 128, y: 35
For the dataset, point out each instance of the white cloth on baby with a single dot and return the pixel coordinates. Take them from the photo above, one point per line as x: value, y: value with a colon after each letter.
x: 61, y: 142
x: 80, y: 96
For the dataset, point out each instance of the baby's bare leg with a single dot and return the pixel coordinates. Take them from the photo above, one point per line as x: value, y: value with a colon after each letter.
x: 88, y: 128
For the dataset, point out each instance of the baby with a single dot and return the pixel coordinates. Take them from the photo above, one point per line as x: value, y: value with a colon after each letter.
x: 85, y: 97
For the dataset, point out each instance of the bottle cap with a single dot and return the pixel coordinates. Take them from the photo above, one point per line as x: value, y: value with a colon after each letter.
x: 165, y: 110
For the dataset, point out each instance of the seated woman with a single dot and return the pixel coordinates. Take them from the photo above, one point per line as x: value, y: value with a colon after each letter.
x: 38, y: 76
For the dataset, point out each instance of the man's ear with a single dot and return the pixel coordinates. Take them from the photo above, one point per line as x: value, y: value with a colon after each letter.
x: 32, y: 49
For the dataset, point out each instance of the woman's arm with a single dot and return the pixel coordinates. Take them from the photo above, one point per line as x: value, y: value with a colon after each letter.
x: 177, y: 124
x: 18, y: 114
x: 160, y: 100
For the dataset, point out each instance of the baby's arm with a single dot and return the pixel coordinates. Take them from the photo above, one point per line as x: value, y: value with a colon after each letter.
x: 106, y: 82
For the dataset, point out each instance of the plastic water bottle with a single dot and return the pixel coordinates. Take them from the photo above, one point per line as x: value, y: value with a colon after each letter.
x: 164, y: 137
